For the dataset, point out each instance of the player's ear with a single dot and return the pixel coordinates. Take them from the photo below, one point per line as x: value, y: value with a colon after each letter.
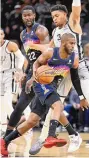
x: 34, y: 15
x: 4, y: 35
x: 63, y: 43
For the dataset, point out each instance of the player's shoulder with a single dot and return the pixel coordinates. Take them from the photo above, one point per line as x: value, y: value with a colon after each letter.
x: 21, y: 34
x: 41, y: 29
x: 12, y: 45
x: 54, y: 30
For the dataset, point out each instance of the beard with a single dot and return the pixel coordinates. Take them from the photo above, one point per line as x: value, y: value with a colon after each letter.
x: 29, y: 24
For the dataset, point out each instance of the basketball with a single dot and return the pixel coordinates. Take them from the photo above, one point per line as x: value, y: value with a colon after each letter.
x: 44, y: 74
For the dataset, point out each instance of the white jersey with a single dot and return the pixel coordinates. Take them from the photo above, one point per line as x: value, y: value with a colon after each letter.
x: 87, y: 62
x: 7, y: 59
x: 57, y: 34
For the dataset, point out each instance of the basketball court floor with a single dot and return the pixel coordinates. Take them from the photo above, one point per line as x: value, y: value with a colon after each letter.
x: 21, y: 146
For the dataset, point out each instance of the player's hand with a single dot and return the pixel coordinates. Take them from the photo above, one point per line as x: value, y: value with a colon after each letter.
x: 34, y: 75
x: 28, y: 86
x: 18, y: 76
x: 84, y: 104
x: 23, y: 79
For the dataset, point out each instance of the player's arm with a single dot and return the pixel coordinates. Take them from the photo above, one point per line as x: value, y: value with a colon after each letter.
x: 26, y: 63
x: 74, y: 20
x: 42, y: 60
x: 41, y: 47
x: 21, y: 35
x: 13, y: 48
x: 43, y: 35
x: 76, y: 61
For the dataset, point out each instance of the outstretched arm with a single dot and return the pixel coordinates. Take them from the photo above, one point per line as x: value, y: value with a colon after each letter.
x: 42, y: 60
x: 13, y: 48
x: 74, y: 20
x: 41, y: 47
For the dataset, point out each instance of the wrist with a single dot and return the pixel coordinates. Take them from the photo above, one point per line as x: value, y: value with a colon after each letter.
x: 76, y: 3
x: 81, y: 97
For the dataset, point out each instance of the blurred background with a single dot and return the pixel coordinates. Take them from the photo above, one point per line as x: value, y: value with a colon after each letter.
x: 12, y: 23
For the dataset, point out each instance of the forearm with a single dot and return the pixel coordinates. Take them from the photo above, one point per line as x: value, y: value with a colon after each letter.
x: 40, y: 47
x: 20, y: 59
x: 76, y: 81
x: 36, y: 65
x: 76, y: 9
x: 26, y: 65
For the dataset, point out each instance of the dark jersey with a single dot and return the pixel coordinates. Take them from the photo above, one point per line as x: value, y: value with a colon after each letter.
x: 31, y: 54
x: 61, y: 66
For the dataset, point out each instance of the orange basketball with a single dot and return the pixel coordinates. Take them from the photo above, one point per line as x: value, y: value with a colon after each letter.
x: 44, y: 74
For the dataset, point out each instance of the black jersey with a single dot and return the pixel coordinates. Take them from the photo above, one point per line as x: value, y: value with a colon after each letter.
x: 31, y: 54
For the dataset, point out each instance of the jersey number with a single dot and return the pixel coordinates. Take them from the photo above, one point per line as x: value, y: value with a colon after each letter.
x: 59, y: 37
x: 32, y: 56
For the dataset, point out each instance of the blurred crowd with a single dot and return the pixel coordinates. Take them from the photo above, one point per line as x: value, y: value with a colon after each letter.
x: 12, y: 24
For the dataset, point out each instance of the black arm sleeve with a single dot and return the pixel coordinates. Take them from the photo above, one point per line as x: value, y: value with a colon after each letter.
x: 76, y: 81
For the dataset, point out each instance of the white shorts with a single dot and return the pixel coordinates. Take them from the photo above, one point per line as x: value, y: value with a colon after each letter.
x: 65, y: 86
x: 83, y: 71
x: 6, y: 95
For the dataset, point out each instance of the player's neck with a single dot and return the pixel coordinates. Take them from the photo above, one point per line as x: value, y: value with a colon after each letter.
x: 1, y: 43
x: 62, y: 25
x: 63, y: 54
x: 29, y: 29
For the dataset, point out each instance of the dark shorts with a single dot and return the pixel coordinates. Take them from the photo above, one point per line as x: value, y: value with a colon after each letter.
x: 41, y: 109
x: 43, y: 91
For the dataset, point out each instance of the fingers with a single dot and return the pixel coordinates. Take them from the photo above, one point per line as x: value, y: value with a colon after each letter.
x: 82, y: 109
x: 85, y: 107
x: 27, y: 89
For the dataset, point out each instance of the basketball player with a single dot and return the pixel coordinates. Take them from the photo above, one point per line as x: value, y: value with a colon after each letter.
x: 59, y: 15
x: 9, y: 53
x: 47, y: 94
x: 38, y: 34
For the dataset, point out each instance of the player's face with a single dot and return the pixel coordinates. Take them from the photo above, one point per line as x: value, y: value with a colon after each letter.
x: 69, y: 45
x: 59, y: 18
x: 28, y: 17
x: 1, y: 35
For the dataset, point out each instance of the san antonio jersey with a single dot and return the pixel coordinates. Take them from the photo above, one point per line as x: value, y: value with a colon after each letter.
x: 7, y: 59
x: 57, y: 34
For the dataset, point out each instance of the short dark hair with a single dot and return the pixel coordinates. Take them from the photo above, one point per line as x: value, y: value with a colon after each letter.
x: 28, y: 7
x: 66, y: 36
x: 59, y: 7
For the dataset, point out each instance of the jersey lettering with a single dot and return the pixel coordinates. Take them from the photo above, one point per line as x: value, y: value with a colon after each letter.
x: 58, y: 37
x: 32, y: 56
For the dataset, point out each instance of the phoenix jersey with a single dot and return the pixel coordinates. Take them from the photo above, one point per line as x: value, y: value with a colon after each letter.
x: 31, y: 54
x: 58, y: 32
x: 7, y: 59
x: 61, y: 67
